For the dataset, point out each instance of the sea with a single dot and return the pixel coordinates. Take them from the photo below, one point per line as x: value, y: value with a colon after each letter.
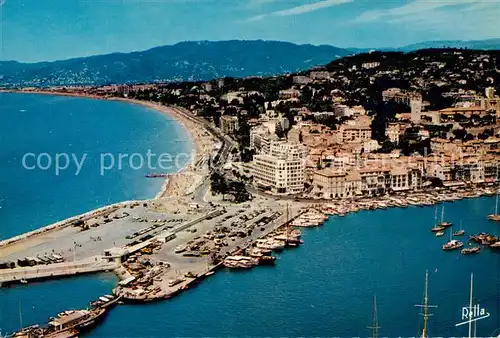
x: 324, y: 288
x: 44, y: 140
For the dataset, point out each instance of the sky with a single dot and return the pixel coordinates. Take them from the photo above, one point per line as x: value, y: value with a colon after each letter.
x: 39, y: 30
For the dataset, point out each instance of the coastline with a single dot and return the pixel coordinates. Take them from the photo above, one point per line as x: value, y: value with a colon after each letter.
x: 202, y: 144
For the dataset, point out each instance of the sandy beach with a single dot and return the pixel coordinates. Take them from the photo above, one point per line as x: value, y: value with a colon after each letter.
x: 179, y: 184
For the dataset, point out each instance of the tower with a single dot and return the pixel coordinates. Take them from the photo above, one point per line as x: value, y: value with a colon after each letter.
x: 416, y: 109
x: 489, y: 92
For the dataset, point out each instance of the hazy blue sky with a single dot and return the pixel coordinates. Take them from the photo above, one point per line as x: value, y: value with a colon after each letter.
x: 34, y: 30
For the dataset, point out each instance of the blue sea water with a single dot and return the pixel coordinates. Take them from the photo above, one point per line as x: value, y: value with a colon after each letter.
x: 31, y: 123
x: 323, y: 288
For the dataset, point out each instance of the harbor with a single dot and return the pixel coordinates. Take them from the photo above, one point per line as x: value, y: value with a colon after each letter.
x: 337, y: 269
x: 157, y: 256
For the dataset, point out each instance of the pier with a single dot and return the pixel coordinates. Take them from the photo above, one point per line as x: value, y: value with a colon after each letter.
x: 89, y: 265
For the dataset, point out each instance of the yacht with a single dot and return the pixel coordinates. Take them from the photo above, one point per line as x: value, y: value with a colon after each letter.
x: 443, y: 223
x: 452, y: 245
x: 469, y: 251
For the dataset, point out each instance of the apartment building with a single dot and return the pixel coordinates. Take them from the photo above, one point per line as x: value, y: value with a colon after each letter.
x: 281, y: 171
x: 392, y: 132
x: 354, y: 133
x: 228, y: 124
x: 332, y: 183
x: 400, y: 96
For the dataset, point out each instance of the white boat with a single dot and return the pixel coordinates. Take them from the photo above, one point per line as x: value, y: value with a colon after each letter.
x: 495, y: 217
x: 270, y: 244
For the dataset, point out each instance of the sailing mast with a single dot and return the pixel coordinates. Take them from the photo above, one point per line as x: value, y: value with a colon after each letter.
x: 470, y: 303
x: 496, y: 205
x: 442, y: 214
x: 426, y: 306
x: 374, y: 327
x: 287, y: 222
x: 20, y: 316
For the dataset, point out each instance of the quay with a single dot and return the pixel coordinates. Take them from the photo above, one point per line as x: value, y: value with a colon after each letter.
x: 56, y: 270
x: 159, y: 248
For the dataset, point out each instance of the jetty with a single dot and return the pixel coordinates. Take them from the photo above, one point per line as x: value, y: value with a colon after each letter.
x: 56, y: 270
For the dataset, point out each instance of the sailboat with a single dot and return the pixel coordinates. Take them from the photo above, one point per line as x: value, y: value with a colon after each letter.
x: 437, y: 228
x: 374, y: 327
x: 426, y: 307
x: 495, y: 217
x: 452, y: 244
x: 443, y: 223
x: 460, y: 232
x: 473, y: 315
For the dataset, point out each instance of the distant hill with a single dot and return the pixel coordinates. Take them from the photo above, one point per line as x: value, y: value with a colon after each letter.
x: 489, y: 44
x: 196, y: 60
x: 202, y: 60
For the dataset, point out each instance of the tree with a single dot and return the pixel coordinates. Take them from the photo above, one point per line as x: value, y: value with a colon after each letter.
x: 279, y: 131
x: 218, y: 184
x: 246, y: 155
x: 306, y: 95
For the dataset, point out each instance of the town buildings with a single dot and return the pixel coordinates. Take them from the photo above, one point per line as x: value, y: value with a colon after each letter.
x: 280, y: 170
x: 228, y: 124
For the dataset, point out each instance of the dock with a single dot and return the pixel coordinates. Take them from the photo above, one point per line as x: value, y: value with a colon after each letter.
x: 89, y: 265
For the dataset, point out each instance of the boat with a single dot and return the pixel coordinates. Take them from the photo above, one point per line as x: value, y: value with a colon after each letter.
x: 374, y: 326
x: 469, y: 251
x: 266, y: 260
x: 240, y: 262
x: 274, y: 245
x: 452, y: 245
x: 495, y: 217
x: 71, y: 323
x: 425, y: 307
x: 495, y: 245
x: 436, y: 228
x: 460, y: 232
x: 439, y: 234
x: 24, y: 281
x: 443, y: 223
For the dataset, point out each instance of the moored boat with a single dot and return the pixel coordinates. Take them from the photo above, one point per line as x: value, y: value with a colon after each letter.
x: 452, y: 245
x: 439, y: 234
x: 495, y: 217
x: 469, y: 251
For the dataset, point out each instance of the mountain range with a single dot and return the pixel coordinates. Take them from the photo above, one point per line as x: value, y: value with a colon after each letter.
x: 193, y: 61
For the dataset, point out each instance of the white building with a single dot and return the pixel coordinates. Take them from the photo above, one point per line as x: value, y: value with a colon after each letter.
x: 416, y: 110
x: 370, y: 65
x: 281, y: 171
